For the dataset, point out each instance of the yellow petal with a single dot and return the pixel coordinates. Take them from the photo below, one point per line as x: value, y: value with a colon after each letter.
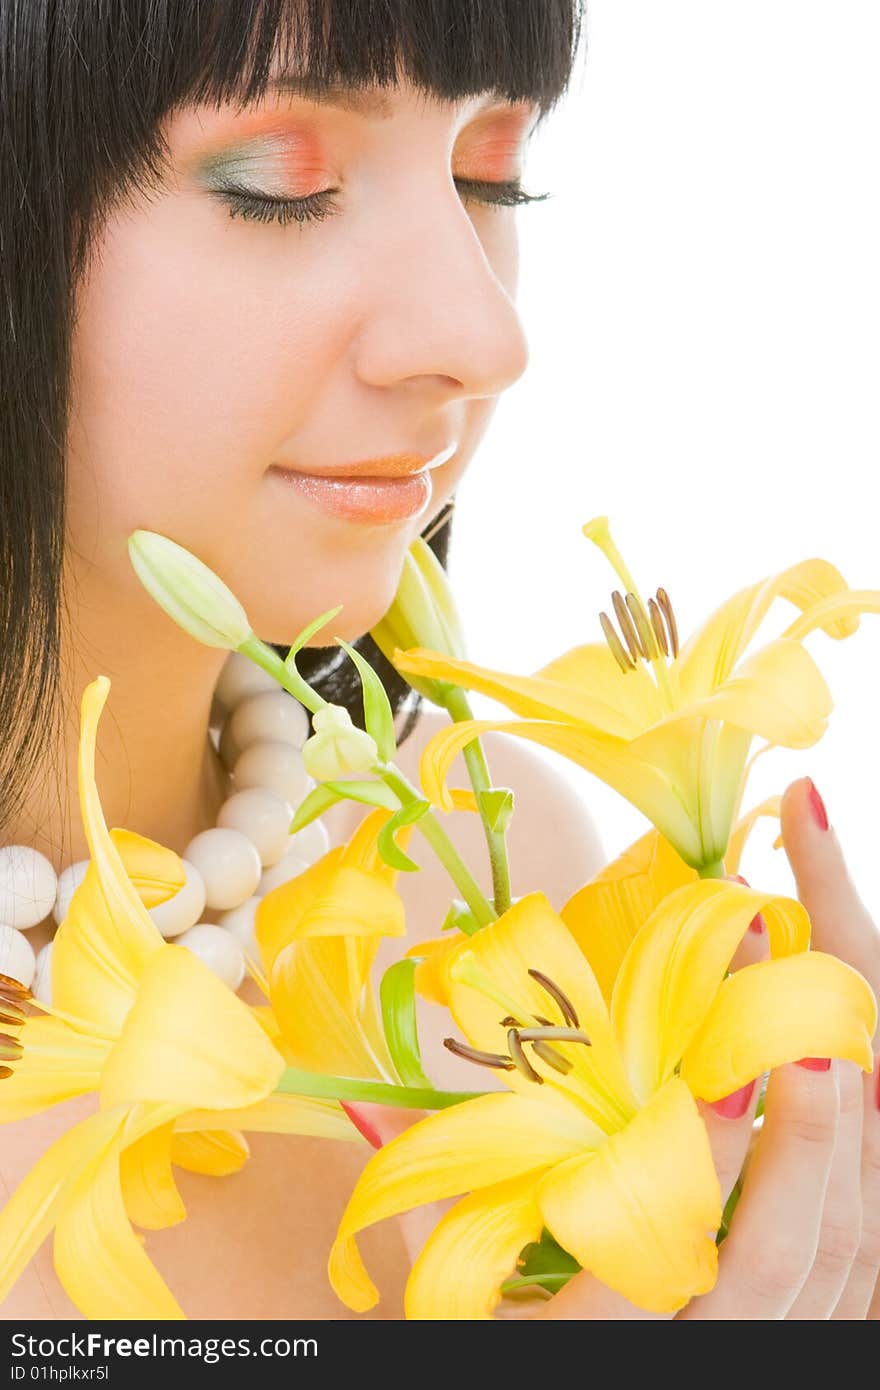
x: 280, y: 912
x: 531, y: 936
x: 806, y: 1005
x: 189, y: 1041
x: 710, y: 655
x: 475, y: 1144
x: 214, y: 1152
x: 149, y: 1191
x: 604, y: 915
x: 278, y: 1114
x: 107, y: 935
x: 57, y: 1063
x: 362, y: 849
x: 98, y: 1258
x: 838, y: 611
x: 610, y: 759
x: 431, y: 977
x: 771, y: 807
x: 675, y: 965
x: 156, y: 872
x: 584, y: 686
x: 31, y: 1211
x: 316, y: 989
x: 472, y: 1251
x: 642, y: 1211
x: 778, y: 693
x: 347, y: 902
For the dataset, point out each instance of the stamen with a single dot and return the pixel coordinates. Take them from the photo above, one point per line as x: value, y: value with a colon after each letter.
x: 510, y: 1022
x: 626, y: 626
x: 10, y: 986
x: 483, y: 1059
x: 544, y: 1022
x: 11, y: 1049
x: 565, y: 1004
x: 11, y: 1014
x: 657, y: 625
x: 4, y: 1072
x: 520, y: 1059
x: 643, y: 628
x: 614, y: 642
x: 552, y: 1057
x: 669, y: 615
x: 554, y: 1034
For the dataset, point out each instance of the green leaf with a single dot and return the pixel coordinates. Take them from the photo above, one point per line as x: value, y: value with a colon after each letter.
x: 370, y: 793
x: 460, y: 918
x: 308, y: 632
x: 314, y: 805
x: 391, y: 852
x: 543, y: 1262
x: 398, y: 1000
x: 496, y: 807
x: 378, y: 715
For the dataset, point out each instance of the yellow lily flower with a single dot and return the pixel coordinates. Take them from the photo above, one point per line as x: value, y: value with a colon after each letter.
x: 669, y: 729
x: 318, y: 935
x: 599, y: 1137
x: 179, y: 1062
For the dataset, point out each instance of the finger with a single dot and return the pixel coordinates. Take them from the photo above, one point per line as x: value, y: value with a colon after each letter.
x: 841, y: 922
x: 755, y: 944
x: 841, y: 1228
x: 766, y: 1258
x: 856, y: 1298
x: 729, y: 1124
x: 584, y: 1298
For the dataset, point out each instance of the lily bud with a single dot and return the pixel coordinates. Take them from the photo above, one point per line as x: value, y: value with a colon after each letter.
x: 337, y: 747
x: 423, y: 614
x: 190, y: 593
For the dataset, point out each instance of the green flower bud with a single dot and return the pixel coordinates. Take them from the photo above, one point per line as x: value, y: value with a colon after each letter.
x: 337, y: 747
x: 190, y: 593
x: 423, y: 614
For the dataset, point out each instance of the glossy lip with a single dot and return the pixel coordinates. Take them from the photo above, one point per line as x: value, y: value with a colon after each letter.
x: 374, y: 500
x: 390, y: 466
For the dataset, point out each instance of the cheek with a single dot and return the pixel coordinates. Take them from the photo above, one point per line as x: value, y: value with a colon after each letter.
x: 190, y: 367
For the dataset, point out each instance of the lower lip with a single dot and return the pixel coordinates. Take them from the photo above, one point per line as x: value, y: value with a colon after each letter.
x: 363, y: 499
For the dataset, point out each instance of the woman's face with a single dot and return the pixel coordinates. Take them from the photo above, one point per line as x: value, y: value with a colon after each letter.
x: 209, y: 348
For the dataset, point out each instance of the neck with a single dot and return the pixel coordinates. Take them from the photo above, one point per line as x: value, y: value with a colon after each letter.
x: 156, y: 769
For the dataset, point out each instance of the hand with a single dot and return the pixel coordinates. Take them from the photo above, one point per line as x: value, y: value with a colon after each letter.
x: 804, y: 1242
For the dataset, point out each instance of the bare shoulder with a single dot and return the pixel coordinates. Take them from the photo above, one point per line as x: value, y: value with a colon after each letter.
x: 553, y: 841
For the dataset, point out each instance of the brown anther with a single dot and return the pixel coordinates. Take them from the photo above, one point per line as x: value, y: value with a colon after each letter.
x: 11, y: 1049
x: 626, y: 626
x: 645, y: 633
x: 552, y: 1057
x: 565, y: 1004
x: 483, y: 1059
x: 614, y: 642
x: 544, y: 1022
x: 554, y: 1034
x: 11, y: 986
x: 4, y: 1072
x: 520, y: 1059
x: 11, y: 1015
x: 669, y: 615
x: 657, y: 625
x: 510, y: 1022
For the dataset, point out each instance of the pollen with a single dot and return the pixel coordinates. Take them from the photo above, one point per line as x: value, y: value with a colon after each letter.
x: 646, y: 634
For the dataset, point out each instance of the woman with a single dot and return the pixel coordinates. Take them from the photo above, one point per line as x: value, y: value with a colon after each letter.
x: 247, y: 245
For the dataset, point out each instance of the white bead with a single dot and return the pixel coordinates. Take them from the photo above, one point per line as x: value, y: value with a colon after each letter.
x: 278, y: 766
x: 241, y: 923
x: 28, y: 885
x: 287, y: 868
x: 311, y: 843
x: 216, y: 948
x: 184, y: 909
x: 41, y: 985
x: 227, y: 747
x: 272, y: 714
x: 241, y: 677
x: 17, y: 957
x: 229, y: 864
x: 68, y: 881
x: 263, y: 817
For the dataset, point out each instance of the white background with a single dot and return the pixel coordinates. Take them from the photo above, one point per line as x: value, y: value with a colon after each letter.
x: 702, y: 300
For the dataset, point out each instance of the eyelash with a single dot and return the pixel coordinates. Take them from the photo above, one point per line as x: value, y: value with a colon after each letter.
x: 317, y: 206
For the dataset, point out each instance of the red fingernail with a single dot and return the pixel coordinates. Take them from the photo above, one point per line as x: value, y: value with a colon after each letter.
x: 815, y: 1063
x: 734, y: 1106
x: 362, y: 1124
x: 817, y: 806
x: 757, y: 924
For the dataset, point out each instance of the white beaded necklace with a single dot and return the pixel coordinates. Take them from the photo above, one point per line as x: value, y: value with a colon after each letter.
x: 259, y: 730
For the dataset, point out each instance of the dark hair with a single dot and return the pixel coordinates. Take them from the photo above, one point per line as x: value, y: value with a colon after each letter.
x: 84, y: 88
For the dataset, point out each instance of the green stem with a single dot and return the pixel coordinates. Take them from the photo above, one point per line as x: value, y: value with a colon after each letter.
x: 441, y: 844
x: 458, y: 708
x: 714, y: 870
x: 291, y: 680
x: 309, y: 1083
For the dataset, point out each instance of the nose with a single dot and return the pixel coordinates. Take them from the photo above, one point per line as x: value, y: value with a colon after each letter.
x: 439, y: 314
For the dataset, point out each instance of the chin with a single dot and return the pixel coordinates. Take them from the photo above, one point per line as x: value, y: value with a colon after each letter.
x: 279, y: 614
